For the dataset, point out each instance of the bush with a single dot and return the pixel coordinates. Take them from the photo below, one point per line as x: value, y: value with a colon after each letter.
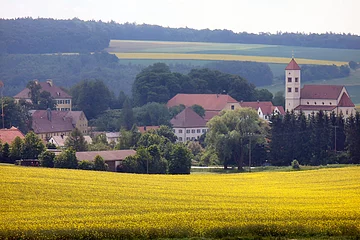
x: 295, y: 164
x: 99, y: 164
x: 66, y: 159
x: 86, y: 165
x: 47, y: 159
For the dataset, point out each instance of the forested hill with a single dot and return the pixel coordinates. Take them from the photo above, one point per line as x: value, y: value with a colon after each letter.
x: 27, y: 35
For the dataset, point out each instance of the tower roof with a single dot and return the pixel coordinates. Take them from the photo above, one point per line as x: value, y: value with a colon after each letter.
x: 292, y: 65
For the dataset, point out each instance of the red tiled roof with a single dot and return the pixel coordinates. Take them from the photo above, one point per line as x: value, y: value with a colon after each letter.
x: 315, y: 108
x: 292, y: 65
x: 210, y: 114
x: 214, y: 102
x: 188, y: 118
x: 143, y: 129
x: 106, y: 155
x: 321, y: 91
x: 280, y: 108
x: 55, y: 91
x: 345, y: 101
x: 8, y: 135
x: 59, y: 122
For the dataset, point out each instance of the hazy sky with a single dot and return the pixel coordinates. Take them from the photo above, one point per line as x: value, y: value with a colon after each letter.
x: 238, y: 15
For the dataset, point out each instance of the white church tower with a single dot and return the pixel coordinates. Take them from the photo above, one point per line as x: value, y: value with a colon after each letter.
x: 292, y: 85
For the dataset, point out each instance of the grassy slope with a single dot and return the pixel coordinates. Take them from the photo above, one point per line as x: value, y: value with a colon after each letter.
x: 43, y: 203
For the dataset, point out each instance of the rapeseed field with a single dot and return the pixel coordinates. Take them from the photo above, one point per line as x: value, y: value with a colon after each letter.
x: 58, y: 203
x: 220, y: 57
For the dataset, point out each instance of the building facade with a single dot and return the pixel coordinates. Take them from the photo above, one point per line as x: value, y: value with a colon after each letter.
x: 314, y: 98
x: 188, y: 125
x: 62, y: 99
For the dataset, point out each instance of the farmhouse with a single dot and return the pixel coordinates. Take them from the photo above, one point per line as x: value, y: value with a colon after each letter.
x: 212, y: 103
x: 9, y: 135
x: 112, y: 158
x: 47, y: 123
x: 313, y: 98
x: 188, y: 125
x: 59, y: 141
x: 264, y: 109
x: 63, y: 100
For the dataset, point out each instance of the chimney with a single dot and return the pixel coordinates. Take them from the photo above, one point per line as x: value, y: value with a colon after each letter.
x: 48, y: 114
x: 50, y: 82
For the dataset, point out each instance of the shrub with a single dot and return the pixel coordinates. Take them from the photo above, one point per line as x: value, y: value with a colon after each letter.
x: 295, y: 164
x: 86, y: 165
x: 99, y: 164
x: 47, y: 159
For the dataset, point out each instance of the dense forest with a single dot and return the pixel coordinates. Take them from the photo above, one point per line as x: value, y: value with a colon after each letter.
x: 28, y: 35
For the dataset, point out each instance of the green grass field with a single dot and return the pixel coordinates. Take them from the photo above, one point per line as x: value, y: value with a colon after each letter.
x: 44, y: 203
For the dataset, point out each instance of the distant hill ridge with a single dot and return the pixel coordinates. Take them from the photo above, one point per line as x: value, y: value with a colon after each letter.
x: 28, y: 35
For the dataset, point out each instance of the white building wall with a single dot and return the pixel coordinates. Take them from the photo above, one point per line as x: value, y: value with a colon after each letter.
x: 189, y: 134
x: 292, y: 89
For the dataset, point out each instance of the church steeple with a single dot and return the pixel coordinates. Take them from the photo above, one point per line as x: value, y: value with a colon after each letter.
x: 292, y: 85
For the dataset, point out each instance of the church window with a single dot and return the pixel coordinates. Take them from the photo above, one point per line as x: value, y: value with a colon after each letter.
x: 289, y: 79
x: 296, y: 89
x: 296, y: 79
x: 289, y: 89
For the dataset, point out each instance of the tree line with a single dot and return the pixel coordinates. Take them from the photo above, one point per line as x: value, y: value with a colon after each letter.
x: 41, y: 35
x: 317, y: 139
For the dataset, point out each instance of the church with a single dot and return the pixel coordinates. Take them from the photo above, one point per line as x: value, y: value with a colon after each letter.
x: 314, y: 98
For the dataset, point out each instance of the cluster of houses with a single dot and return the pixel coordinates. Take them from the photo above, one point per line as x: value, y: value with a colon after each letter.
x: 55, y: 126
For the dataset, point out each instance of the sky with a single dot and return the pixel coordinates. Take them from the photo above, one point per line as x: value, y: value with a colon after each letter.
x: 308, y: 16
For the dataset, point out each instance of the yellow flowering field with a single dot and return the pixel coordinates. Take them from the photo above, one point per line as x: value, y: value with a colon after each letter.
x: 221, y: 57
x: 58, y: 203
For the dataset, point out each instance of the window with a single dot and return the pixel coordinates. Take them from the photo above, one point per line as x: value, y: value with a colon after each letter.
x: 193, y: 138
x: 180, y: 130
x: 315, y: 103
x: 323, y: 103
x: 180, y: 139
x: 308, y: 103
x: 289, y: 79
x: 330, y: 103
x: 347, y: 112
x: 296, y: 89
x: 296, y: 79
x: 188, y: 131
x: 289, y: 89
x: 187, y: 138
x: 232, y: 107
x: 198, y: 130
x: 204, y: 131
x: 192, y: 130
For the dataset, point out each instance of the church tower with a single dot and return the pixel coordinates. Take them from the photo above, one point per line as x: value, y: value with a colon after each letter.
x: 292, y: 85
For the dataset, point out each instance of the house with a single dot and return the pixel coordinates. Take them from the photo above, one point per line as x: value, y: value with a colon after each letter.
x: 9, y: 135
x: 59, y: 141
x: 112, y: 137
x: 47, y: 123
x: 313, y: 98
x: 112, y: 158
x: 143, y: 129
x: 213, y: 104
x: 63, y: 100
x: 264, y: 109
x: 188, y: 125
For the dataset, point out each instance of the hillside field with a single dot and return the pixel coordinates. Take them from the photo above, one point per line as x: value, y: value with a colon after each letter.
x: 58, y: 203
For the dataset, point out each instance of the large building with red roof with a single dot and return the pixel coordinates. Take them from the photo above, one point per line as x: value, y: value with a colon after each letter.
x: 62, y: 99
x: 313, y: 98
x: 188, y: 125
